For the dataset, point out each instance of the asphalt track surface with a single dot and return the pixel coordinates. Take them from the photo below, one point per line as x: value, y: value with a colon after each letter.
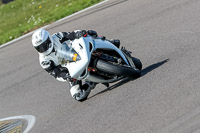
x: 165, y: 35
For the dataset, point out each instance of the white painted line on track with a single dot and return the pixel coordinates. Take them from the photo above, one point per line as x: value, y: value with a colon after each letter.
x: 29, y: 118
x: 8, y: 43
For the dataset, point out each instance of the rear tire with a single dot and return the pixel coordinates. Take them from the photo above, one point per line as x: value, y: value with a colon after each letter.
x: 137, y: 62
x: 118, y: 69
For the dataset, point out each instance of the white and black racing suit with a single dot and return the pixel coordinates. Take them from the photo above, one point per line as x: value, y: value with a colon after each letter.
x: 52, y: 65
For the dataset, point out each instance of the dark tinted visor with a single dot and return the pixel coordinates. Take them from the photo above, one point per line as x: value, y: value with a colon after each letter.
x: 44, y: 46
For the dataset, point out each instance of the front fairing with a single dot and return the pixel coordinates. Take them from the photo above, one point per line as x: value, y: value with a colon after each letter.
x: 67, y: 54
x: 78, y: 69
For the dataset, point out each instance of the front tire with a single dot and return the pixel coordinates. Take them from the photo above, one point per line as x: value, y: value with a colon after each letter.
x: 117, y: 69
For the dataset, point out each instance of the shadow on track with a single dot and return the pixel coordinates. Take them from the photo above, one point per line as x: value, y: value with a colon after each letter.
x: 126, y: 80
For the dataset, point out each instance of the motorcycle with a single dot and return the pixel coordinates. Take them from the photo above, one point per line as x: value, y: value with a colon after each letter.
x: 97, y: 60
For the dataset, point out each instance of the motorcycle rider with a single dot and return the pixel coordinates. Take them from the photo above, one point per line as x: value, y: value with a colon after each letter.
x: 47, y: 47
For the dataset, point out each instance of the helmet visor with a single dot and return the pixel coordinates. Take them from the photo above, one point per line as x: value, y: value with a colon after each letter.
x: 43, y: 46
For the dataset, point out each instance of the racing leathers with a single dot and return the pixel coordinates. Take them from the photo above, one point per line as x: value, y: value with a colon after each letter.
x: 52, y: 64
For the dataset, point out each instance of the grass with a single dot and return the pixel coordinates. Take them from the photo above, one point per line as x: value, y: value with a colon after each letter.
x: 22, y: 16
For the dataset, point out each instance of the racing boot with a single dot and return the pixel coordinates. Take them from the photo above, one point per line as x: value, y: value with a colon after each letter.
x: 116, y: 42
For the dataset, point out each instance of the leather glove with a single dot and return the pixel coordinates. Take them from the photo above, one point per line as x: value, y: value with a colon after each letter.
x: 92, y: 33
x: 81, y: 33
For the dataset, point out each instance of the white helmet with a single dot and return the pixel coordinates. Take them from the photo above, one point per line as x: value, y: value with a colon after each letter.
x: 42, y: 41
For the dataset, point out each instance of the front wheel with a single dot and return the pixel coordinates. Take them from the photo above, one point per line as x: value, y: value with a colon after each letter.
x: 117, y: 69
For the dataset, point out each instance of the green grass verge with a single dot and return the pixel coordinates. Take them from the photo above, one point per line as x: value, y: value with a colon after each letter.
x: 22, y: 16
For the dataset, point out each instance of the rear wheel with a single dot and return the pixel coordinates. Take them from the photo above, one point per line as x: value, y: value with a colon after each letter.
x: 117, y: 69
x: 137, y: 62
